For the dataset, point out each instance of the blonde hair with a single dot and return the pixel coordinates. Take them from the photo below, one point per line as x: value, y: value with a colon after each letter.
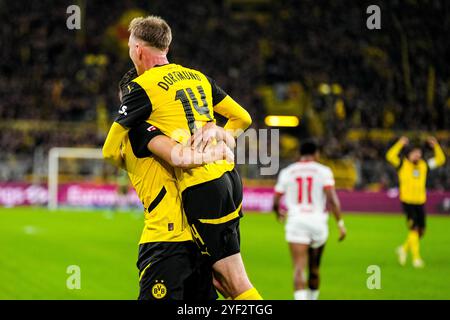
x: 153, y: 30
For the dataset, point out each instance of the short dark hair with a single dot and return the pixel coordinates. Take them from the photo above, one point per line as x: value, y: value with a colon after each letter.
x: 126, y: 79
x: 413, y: 145
x: 308, y: 148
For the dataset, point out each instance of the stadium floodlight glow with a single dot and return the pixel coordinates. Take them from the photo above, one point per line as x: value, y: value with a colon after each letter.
x: 282, y: 121
x: 53, y: 167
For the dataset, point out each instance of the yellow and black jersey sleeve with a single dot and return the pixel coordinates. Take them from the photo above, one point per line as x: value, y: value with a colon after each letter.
x: 218, y: 94
x: 392, y: 155
x: 112, y: 147
x: 223, y: 104
x: 139, y: 137
x: 135, y: 108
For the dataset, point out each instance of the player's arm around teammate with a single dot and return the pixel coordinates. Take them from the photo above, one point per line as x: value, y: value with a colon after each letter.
x: 167, y: 261
x: 232, y: 281
x: 210, y: 142
x: 164, y: 95
x: 173, y: 153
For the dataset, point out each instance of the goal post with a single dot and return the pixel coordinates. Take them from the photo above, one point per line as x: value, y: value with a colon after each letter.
x: 55, y: 154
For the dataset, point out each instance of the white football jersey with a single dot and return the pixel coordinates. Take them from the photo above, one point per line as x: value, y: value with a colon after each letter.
x: 303, y: 183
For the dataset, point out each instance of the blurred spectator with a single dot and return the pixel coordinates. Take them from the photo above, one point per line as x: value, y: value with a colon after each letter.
x: 396, y: 78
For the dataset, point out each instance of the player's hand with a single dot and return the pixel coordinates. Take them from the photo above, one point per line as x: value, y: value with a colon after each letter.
x: 203, y: 136
x: 342, y: 233
x: 209, y: 134
x: 432, y: 141
x: 228, y: 153
x: 219, y: 151
x: 404, y: 140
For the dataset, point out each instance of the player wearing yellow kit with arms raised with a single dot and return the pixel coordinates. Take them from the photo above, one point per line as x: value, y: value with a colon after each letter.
x: 412, y: 177
x: 177, y: 101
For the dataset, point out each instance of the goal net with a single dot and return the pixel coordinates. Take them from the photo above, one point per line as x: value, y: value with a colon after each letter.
x: 79, y: 177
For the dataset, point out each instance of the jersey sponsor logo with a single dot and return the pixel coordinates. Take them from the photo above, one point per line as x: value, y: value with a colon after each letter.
x: 123, y: 110
x: 159, y: 289
x: 152, y: 128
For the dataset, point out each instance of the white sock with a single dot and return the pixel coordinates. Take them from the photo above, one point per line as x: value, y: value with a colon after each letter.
x: 301, y: 295
x: 313, y: 294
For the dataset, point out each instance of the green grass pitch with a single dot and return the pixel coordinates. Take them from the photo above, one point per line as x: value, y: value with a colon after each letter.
x: 37, y: 246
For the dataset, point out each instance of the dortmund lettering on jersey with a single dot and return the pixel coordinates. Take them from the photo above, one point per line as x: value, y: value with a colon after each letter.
x: 176, y: 100
x: 156, y: 187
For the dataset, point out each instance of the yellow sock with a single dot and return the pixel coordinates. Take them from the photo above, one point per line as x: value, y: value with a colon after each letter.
x: 414, y: 244
x: 407, y: 245
x: 250, y: 294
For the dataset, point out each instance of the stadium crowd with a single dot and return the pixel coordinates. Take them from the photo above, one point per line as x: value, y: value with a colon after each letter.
x: 59, y: 86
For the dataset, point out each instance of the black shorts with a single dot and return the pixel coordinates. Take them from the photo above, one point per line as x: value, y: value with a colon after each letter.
x: 415, y: 214
x: 213, y: 210
x: 174, y: 271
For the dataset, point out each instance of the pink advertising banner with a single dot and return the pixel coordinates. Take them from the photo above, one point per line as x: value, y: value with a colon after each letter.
x: 94, y: 195
x: 255, y: 198
x: 22, y: 194
x: 260, y: 199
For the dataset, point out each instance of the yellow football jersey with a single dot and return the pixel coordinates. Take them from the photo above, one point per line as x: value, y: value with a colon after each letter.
x: 412, y: 179
x: 177, y: 101
x: 155, y: 184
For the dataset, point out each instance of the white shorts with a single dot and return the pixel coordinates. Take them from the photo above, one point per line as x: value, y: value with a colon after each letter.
x: 313, y: 232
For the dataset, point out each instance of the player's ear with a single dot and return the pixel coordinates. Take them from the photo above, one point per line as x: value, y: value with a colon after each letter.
x: 138, y: 51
